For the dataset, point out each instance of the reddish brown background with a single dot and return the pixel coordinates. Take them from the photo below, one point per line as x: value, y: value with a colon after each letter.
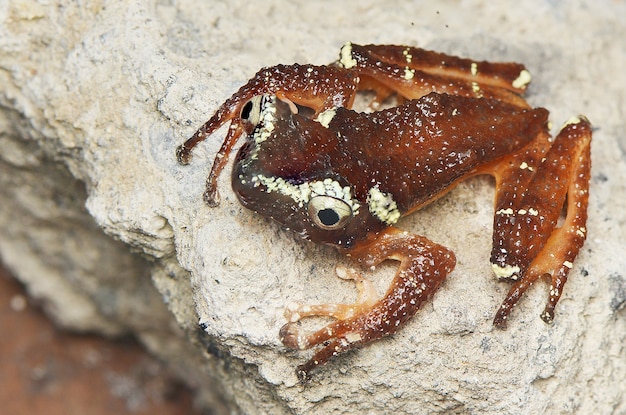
x: 45, y: 370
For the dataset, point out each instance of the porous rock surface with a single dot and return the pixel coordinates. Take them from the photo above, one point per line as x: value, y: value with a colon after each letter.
x: 102, y: 224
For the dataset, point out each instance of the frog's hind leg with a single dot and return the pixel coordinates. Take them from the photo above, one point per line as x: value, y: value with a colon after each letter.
x: 413, y: 72
x: 528, y: 243
x: 423, y: 267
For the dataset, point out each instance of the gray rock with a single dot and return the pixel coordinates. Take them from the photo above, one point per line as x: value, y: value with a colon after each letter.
x: 100, y: 222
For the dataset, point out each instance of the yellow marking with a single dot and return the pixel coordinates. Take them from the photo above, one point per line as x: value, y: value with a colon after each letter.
x: 407, y: 55
x: 522, y: 80
x: 382, y: 205
x: 346, y: 58
x: 508, y: 211
x: 506, y: 271
x: 474, y: 69
x: 267, y: 118
x: 476, y: 89
x: 525, y: 166
x: 409, y: 73
x: 304, y: 192
x: 326, y: 117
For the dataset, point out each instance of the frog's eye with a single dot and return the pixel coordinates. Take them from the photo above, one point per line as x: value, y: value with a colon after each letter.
x: 251, y: 111
x: 329, y: 213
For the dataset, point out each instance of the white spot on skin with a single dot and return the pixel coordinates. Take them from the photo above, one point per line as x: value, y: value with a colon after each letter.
x: 533, y: 212
x: 474, y: 68
x: 382, y: 206
x: 346, y: 59
x: 522, y: 80
x: 302, y: 193
x: 508, y: 211
x: 265, y: 125
x: 409, y: 73
x: 326, y: 117
x: 266, y: 119
x: 568, y: 264
x: 581, y: 232
x: 507, y: 271
x: 477, y: 90
x: 407, y: 55
x: 525, y: 166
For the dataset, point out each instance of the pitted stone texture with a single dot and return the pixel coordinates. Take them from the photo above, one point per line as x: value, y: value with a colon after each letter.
x: 94, y: 99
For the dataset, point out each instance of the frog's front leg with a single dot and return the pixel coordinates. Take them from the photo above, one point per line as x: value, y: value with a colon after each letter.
x: 533, y: 186
x: 367, y: 297
x: 423, y: 267
x: 316, y: 87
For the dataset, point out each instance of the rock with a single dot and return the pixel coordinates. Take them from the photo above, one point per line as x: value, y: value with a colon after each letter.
x: 102, y: 224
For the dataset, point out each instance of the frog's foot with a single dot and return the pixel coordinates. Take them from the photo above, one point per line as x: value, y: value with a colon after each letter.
x: 367, y: 297
x: 293, y: 337
x: 527, y: 235
x: 423, y: 267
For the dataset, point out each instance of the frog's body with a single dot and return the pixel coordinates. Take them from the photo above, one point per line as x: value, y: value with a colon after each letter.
x: 344, y: 178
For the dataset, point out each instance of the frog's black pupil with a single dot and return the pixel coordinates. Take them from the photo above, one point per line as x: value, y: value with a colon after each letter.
x: 247, y: 109
x: 328, y: 217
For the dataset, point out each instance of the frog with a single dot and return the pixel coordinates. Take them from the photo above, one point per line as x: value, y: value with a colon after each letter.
x: 344, y: 177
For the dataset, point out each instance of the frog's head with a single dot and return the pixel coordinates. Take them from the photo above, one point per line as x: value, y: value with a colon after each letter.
x: 318, y: 88
x: 285, y: 172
